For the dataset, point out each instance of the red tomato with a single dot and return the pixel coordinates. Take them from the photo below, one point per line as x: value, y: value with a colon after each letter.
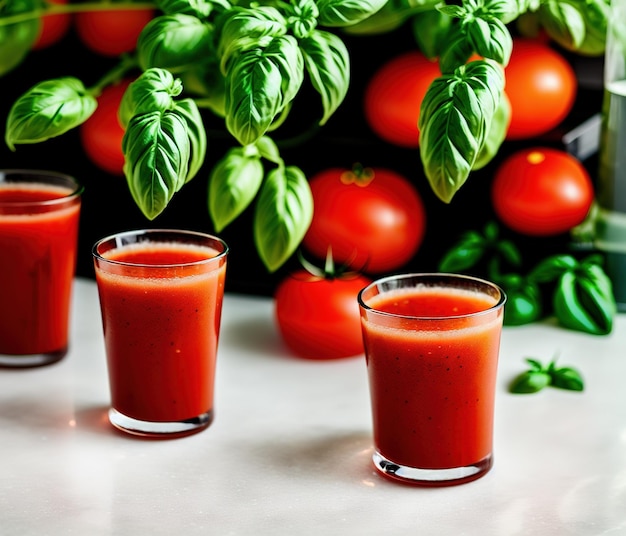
x: 101, y: 135
x: 394, y: 95
x: 375, y: 222
x: 541, y: 86
x: 541, y: 192
x: 319, y: 318
x: 53, y: 28
x: 111, y: 33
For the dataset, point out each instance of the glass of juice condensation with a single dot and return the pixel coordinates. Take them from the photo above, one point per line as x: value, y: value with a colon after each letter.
x: 431, y: 345
x: 161, y: 293
x: 39, y: 220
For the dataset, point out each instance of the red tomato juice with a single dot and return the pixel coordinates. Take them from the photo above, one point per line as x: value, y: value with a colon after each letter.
x: 37, y: 262
x: 161, y: 327
x: 432, y: 381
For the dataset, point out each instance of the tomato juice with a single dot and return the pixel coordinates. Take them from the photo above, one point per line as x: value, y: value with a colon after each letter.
x: 432, y: 355
x: 161, y: 307
x: 38, y: 242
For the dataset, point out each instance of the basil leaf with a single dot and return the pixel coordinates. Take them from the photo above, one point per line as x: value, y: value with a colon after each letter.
x: 551, y: 268
x: 577, y: 25
x: 17, y: 39
x: 260, y: 84
x: 47, y: 110
x: 567, y: 378
x: 187, y: 110
x: 156, y: 149
x: 455, y: 116
x: 490, y: 38
x: 282, y: 215
x: 582, y: 302
x: 233, y: 184
x: 174, y: 42
x: 153, y: 91
x: 496, y: 135
x: 247, y: 29
x: 197, y: 8
x: 523, y: 300
x: 389, y: 17
x: 529, y: 382
x: 346, y: 12
x: 431, y: 30
x: 465, y: 254
x: 328, y: 64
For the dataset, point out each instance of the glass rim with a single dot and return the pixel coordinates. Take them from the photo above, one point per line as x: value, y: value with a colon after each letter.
x: 39, y: 176
x: 162, y: 231
x: 432, y: 275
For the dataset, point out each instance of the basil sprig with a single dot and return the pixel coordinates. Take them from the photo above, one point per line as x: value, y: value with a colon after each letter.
x: 577, y: 292
x: 539, y: 376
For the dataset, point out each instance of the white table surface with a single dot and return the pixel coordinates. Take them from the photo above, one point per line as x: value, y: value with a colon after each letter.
x: 289, y: 450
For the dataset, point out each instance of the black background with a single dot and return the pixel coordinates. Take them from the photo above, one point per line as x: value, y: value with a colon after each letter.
x: 345, y: 140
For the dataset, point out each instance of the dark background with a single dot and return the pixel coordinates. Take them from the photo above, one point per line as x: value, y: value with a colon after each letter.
x: 345, y: 140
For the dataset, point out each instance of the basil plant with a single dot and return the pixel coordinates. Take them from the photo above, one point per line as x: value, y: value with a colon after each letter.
x: 247, y: 61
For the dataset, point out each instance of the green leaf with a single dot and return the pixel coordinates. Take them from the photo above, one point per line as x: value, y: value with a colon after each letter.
x: 553, y: 267
x: 233, y: 183
x: 174, y: 42
x: 153, y: 91
x: 346, y: 12
x: 455, y: 117
x: 328, y: 63
x: 431, y: 29
x: 529, y: 382
x: 17, y: 39
x: 246, y: 29
x: 201, y: 9
x: 490, y: 38
x: 282, y: 216
x: 496, y: 135
x: 465, y: 254
x: 523, y: 300
x: 187, y: 110
x: 47, y: 110
x: 156, y: 149
x: 260, y: 84
x: 567, y: 378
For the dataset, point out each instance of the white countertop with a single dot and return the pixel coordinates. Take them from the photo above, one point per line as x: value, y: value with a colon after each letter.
x: 289, y: 450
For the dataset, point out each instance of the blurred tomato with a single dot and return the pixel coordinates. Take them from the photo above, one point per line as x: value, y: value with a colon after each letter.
x: 101, y: 135
x: 319, y: 317
x: 541, y: 192
x: 53, y: 28
x: 111, y: 33
x: 541, y: 86
x: 372, y: 219
x: 394, y: 95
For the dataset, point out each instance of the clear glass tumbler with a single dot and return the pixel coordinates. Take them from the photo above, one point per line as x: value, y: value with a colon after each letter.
x: 161, y: 295
x: 431, y: 345
x: 39, y: 220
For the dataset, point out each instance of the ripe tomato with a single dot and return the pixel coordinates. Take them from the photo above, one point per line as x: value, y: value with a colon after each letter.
x: 372, y: 219
x: 394, y: 95
x: 111, y: 33
x: 319, y: 318
x: 53, y: 28
x: 541, y: 192
x: 101, y: 135
x: 541, y: 87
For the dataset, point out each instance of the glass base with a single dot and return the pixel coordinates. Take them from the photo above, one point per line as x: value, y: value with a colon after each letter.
x: 31, y: 360
x: 432, y: 477
x: 159, y: 429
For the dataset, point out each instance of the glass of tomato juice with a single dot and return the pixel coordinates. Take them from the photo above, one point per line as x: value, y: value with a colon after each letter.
x: 431, y: 345
x: 39, y: 218
x: 161, y: 293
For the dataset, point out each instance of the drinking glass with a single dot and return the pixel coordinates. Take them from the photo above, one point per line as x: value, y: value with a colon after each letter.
x: 431, y: 347
x: 39, y: 219
x: 161, y: 293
